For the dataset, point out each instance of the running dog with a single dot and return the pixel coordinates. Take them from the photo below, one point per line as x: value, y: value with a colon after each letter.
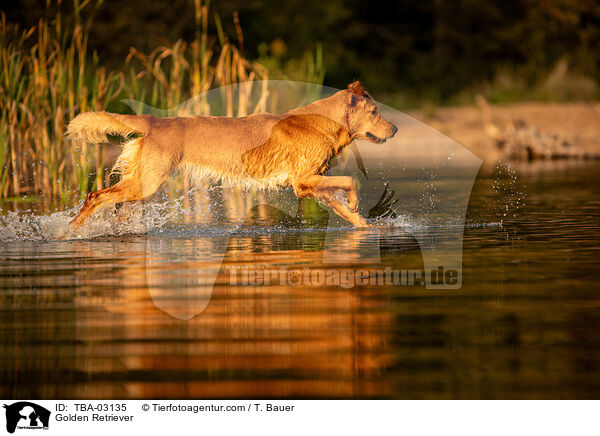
x: 262, y: 150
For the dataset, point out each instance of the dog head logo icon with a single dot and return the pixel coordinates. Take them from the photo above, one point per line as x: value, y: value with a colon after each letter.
x: 26, y: 415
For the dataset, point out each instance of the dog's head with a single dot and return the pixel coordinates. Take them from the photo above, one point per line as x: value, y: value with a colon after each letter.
x: 363, y: 116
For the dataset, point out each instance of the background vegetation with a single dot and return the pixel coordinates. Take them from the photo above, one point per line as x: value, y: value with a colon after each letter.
x: 49, y: 74
x: 436, y: 50
x: 58, y: 58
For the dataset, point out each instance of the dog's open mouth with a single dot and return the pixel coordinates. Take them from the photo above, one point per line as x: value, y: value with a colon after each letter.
x: 375, y: 139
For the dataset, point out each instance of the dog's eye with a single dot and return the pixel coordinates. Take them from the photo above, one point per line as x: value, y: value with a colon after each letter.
x: 374, y: 111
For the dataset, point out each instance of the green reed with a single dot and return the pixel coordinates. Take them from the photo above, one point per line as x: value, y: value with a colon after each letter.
x: 175, y: 80
x: 47, y: 76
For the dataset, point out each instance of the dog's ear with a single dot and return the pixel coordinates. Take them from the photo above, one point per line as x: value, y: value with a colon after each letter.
x: 354, y: 99
x: 357, y: 93
x: 356, y: 88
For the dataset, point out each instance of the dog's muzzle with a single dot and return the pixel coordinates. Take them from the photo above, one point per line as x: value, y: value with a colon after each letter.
x: 375, y: 139
x: 378, y: 140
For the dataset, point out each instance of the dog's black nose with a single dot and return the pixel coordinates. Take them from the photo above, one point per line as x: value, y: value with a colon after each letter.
x: 395, y: 129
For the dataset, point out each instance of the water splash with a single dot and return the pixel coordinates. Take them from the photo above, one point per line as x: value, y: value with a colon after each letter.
x: 16, y: 226
x: 166, y: 217
x: 134, y: 218
x: 429, y: 222
x: 510, y: 196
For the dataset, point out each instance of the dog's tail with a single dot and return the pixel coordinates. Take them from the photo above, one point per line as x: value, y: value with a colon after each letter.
x: 93, y: 127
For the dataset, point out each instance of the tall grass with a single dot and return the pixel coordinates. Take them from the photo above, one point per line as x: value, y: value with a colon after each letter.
x: 176, y: 79
x: 47, y: 76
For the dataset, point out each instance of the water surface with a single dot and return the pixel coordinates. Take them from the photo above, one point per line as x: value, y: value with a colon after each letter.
x: 136, y: 315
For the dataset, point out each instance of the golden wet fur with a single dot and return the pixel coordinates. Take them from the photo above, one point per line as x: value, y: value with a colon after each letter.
x: 261, y: 150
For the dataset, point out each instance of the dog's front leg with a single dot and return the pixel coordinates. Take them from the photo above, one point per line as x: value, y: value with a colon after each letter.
x: 353, y: 217
x: 322, y: 189
x: 334, y: 183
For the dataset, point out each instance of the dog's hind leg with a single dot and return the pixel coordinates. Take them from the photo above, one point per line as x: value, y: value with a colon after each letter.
x: 129, y: 189
x: 143, y: 170
x: 125, y: 190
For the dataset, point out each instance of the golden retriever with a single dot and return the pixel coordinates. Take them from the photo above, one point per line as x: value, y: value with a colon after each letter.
x: 262, y: 150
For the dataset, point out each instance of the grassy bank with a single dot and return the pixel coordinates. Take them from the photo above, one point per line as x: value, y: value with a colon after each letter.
x: 48, y: 76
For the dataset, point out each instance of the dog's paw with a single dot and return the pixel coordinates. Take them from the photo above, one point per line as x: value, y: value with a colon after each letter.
x: 352, y: 203
x: 360, y: 222
x: 353, y: 206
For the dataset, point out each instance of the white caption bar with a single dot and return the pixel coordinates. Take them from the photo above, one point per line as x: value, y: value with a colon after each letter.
x: 266, y: 417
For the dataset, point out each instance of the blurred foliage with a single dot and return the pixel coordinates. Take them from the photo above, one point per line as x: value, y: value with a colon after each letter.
x: 310, y: 67
x: 433, y: 50
x: 48, y: 75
